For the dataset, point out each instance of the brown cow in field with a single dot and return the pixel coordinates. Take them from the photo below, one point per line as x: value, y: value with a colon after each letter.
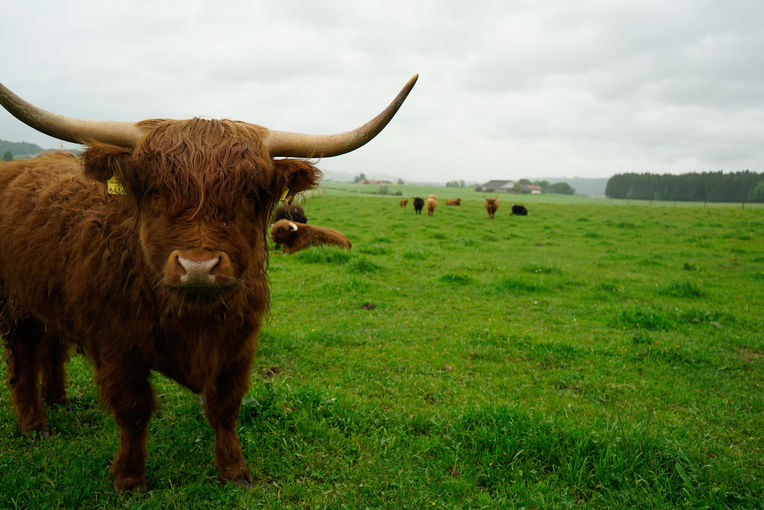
x: 491, y: 204
x: 404, y: 202
x: 298, y: 236
x: 430, y: 204
x: 168, y: 274
x: 456, y: 201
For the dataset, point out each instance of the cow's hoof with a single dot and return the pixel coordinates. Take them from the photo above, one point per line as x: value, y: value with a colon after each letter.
x: 243, y: 479
x: 130, y: 484
x: 245, y: 483
x: 36, y: 433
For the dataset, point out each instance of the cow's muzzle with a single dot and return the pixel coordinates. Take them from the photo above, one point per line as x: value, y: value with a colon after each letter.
x: 199, y: 270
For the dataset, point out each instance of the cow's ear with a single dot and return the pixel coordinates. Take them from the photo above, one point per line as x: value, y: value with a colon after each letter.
x: 101, y: 161
x: 296, y: 175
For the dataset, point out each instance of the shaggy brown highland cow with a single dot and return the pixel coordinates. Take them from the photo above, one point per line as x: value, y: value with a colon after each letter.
x: 491, y: 204
x: 166, y: 274
x: 298, y: 236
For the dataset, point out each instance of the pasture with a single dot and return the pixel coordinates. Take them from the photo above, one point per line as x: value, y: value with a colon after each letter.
x: 587, y: 355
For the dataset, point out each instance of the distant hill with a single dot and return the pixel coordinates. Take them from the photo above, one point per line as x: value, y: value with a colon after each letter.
x: 19, y: 149
x: 27, y: 150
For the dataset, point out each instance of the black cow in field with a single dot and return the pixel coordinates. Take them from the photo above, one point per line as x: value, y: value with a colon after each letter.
x: 418, y: 205
x: 520, y: 210
x: 291, y: 212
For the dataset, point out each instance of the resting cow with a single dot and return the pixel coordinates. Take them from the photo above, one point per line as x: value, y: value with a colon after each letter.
x: 167, y: 274
x: 298, y: 236
x: 491, y: 204
x: 430, y: 204
x: 520, y: 210
x: 456, y: 201
x: 418, y: 205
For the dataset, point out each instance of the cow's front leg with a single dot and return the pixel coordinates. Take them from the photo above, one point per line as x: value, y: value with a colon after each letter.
x: 126, y: 390
x: 222, y: 402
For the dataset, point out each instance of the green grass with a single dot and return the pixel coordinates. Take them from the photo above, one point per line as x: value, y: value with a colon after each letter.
x: 587, y: 355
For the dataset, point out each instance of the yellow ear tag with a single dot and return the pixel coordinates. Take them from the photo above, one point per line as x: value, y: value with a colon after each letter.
x: 114, y: 186
x: 284, y: 195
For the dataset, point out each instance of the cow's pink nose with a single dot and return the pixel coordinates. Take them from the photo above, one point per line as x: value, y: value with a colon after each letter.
x: 199, y: 268
x: 197, y: 272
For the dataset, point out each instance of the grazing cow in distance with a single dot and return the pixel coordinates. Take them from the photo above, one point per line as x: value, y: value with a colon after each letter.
x: 404, y: 202
x: 520, y: 210
x: 149, y: 251
x: 293, y: 212
x: 430, y: 204
x: 491, y: 204
x: 298, y: 236
x: 456, y: 201
x: 418, y: 205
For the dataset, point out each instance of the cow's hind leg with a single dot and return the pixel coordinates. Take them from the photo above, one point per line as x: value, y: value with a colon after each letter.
x: 24, y: 343
x: 222, y: 403
x: 126, y: 390
x: 55, y: 354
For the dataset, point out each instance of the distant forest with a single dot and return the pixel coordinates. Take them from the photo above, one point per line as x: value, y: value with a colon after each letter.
x: 744, y: 186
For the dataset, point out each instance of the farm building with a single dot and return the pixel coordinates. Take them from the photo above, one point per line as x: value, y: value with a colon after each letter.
x: 497, y: 187
x: 509, y: 187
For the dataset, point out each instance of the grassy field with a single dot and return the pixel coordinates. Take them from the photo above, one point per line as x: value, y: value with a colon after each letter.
x: 587, y: 355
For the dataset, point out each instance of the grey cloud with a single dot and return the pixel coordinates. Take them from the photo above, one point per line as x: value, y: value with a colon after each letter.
x: 557, y: 87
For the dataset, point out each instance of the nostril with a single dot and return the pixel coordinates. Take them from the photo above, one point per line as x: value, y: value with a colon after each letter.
x: 180, y: 265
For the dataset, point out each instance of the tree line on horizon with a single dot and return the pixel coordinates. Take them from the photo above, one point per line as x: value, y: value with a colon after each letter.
x: 745, y: 186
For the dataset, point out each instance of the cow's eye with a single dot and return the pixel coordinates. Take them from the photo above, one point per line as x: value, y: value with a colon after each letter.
x: 251, y: 196
x: 153, y: 192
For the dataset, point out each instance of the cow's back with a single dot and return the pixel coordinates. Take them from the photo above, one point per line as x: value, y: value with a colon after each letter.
x: 51, y: 217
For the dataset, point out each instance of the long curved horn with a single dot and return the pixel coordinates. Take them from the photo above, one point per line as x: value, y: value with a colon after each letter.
x: 123, y: 134
x: 282, y: 143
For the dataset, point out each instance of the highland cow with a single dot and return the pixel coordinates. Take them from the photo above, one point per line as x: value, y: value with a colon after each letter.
x: 150, y: 252
x: 519, y: 210
x: 430, y: 204
x: 491, y: 204
x: 418, y: 205
x: 292, y: 212
x: 298, y: 236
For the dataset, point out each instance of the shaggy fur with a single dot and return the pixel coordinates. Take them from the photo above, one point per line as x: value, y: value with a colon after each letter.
x: 418, y: 205
x: 121, y: 277
x: 430, y: 204
x: 456, y: 201
x: 298, y: 236
x: 520, y: 210
x: 491, y: 204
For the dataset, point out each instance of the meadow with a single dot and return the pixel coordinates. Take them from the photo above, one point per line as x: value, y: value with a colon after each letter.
x: 592, y: 354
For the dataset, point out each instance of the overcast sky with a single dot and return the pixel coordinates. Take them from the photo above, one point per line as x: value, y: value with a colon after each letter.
x: 507, y: 89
